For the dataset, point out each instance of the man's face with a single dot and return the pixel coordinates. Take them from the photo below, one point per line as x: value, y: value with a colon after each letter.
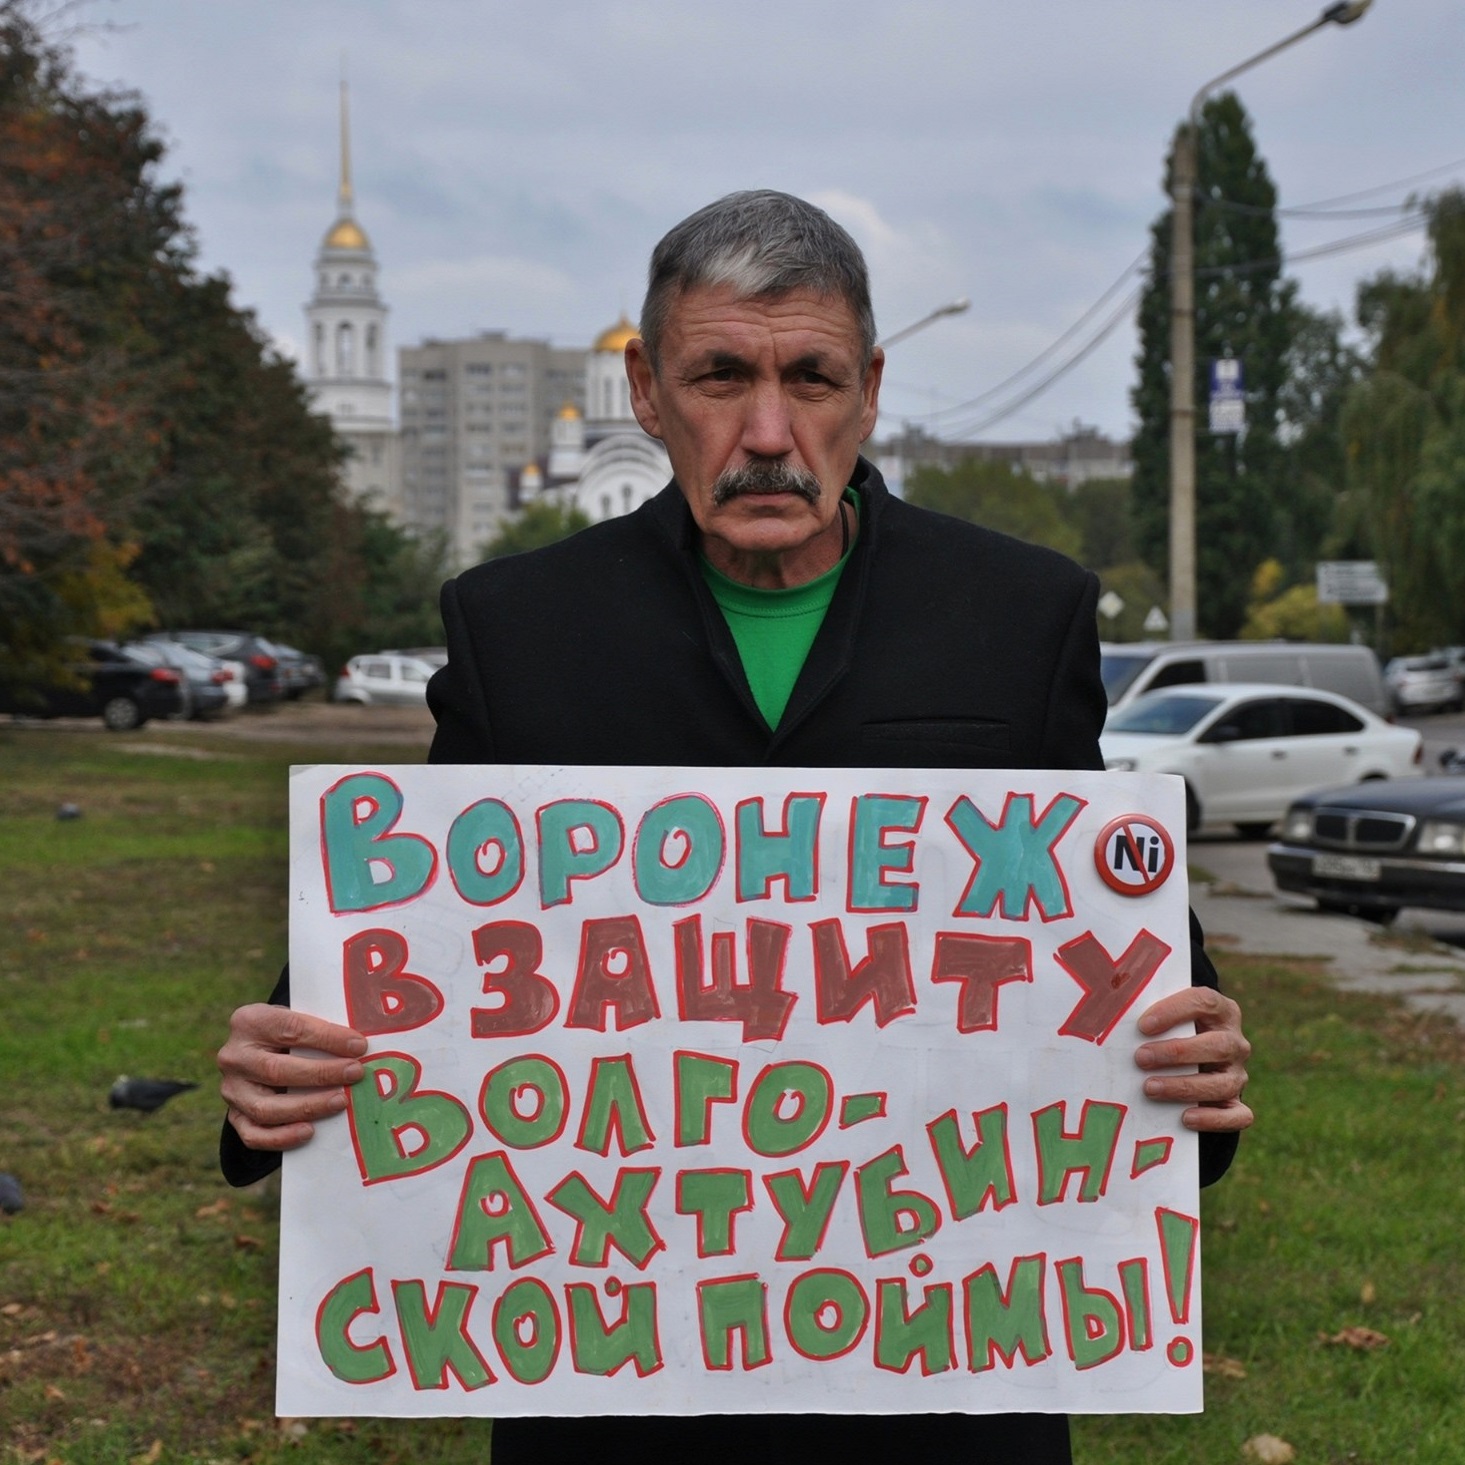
x: 757, y: 385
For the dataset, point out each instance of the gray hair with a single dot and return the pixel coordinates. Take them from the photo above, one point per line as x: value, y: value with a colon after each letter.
x: 764, y: 244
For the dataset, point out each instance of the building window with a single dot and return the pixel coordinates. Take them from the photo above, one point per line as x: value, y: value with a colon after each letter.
x: 345, y: 350
x: 371, y: 363
x: 320, y: 349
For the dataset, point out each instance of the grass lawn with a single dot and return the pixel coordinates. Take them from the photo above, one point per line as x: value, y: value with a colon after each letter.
x: 136, y: 1290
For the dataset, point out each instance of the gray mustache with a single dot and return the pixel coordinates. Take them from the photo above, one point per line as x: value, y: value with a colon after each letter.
x: 765, y: 478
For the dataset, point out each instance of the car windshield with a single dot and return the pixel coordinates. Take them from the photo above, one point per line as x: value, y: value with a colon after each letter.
x: 1163, y: 714
x: 1120, y: 668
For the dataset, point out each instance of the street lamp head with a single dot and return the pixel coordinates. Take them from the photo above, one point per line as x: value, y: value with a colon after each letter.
x: 1345, y: 12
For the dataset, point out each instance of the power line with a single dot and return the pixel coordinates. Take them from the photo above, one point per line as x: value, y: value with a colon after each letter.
x: 939, y: 419
x: 1047, y: 351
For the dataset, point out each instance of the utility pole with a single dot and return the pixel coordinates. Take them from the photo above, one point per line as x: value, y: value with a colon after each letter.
x: 1183, y: 179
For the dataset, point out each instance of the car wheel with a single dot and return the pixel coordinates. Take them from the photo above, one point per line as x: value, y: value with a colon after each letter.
x: 1378, y: 915
x: 1192, y: 810
x: 122, y: 714
x: 1253, y: 830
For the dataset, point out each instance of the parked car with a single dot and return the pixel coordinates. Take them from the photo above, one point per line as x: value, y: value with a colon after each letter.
x: 1246, y: 751
x: 262, y: 677
x: 1423, y: 683
x: 111, y: 684
x: 203, y: 679
x: 300, y: 672
x: 1130, y: 669
x: 434, y: 656
x: 1372, y: 849
x: 385, y: 678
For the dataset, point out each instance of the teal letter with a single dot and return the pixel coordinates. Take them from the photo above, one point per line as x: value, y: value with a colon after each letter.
x: 678, y: 873
x: 1015, y: 860
x: 791, y: 856
x: 367, y: 866
x: 871, y: 857
x: 486, y: 825
x: 560, y: 861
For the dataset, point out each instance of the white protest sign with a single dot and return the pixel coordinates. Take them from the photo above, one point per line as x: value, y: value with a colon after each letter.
x: 739, y: 1090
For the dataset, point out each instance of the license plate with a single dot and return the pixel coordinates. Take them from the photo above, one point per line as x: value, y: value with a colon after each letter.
x: 1347, y: 867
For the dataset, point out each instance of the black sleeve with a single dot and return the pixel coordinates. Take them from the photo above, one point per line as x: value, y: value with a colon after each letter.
x: 241, y: 1165
x: 1216, y: 1150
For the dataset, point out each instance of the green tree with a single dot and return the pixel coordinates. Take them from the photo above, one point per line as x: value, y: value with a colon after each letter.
x: 996, y: 495
x: 1403, y: 429
x: 1100, y: 510
x: 1243, y: 309
x: 539, y: 524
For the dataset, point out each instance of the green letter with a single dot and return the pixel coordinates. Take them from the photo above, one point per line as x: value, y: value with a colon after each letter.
x: 1091, y: 1318
x: 825, y: 1314
x: 1089, y: 1152
x: 601, y: 1348
x: 493, y: 1208
x: 621, y: 1222
x: 1004, y: 1324
x: 769, y: 1132
x: 979, y: 1176
x: 387, y: 1110
x: 733, y: 1304
x: 900, y: 1334
x: 342, y: 1305
x: 436, y: 1339
x: 882, y: 1208
x: 530, y: 1360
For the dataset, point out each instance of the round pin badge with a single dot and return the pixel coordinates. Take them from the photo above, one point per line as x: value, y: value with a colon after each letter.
x: 1134, y: 854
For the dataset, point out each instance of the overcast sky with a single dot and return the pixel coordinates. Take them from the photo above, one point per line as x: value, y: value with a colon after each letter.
x: 514, y: 163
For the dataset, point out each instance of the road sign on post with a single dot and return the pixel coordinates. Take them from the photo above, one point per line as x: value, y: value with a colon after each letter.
x: 1350, y: 582
x: 1228, y: 396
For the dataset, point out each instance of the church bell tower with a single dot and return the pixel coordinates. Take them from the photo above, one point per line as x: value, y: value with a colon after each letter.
x: 346, y: 346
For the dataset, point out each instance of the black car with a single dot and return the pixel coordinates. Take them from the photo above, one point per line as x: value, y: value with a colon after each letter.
x: 111, y: 684
x: 263, y: 677
x: 203, y: 678
x: 1375, y: 847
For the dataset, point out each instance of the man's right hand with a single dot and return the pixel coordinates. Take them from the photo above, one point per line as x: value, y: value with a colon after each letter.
x: 257, y: 1065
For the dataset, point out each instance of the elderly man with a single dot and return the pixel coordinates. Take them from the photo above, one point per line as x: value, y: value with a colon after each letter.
x: 774, y: 605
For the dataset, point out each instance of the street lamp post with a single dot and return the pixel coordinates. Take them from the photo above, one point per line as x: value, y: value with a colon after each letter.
x: 954, y: 307
x: 1182, y: 326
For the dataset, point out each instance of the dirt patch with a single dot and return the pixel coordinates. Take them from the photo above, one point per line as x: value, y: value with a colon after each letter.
x: 307, y: 721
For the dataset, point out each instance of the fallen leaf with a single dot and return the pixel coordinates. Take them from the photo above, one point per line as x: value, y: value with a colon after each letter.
x: 81, y: 1354
x: 247, y: 1243
x: 57, y: 1396
x: 11, y: 1309
x: 1368, y: 1294
x: 214, y: 1208
x: 1268, y: 1450
x: 1223, y: 1367
x: 1360, y: 1338
x: 151, y: 1455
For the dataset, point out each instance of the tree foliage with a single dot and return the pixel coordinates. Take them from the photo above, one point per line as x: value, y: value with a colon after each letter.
x: 159, y: 462
x: 539, y: 524
x: 1243, y: 309
x: 1403, y: 431
x: 996, y: 495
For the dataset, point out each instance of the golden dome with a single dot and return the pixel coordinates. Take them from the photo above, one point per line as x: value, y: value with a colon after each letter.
x: 568, y: 413
x: 614, y: 338
x: 347, y: 234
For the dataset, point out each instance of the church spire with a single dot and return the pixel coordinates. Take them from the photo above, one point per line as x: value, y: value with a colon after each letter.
x: 346, y: 199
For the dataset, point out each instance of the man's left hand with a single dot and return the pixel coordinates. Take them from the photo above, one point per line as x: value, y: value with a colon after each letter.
x: 1218, y: 1051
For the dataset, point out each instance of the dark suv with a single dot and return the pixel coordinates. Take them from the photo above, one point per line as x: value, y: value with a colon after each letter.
x: 264, y: 679
x: 123, y: 691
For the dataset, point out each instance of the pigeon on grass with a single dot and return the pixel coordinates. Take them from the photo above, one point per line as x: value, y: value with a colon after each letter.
x: 146, y: 1094
x: 12, y: 1197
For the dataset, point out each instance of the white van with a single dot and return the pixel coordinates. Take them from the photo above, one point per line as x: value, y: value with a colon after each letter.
x: 1135, y: 667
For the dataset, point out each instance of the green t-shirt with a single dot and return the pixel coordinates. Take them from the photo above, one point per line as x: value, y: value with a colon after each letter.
x: 774, y: 629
